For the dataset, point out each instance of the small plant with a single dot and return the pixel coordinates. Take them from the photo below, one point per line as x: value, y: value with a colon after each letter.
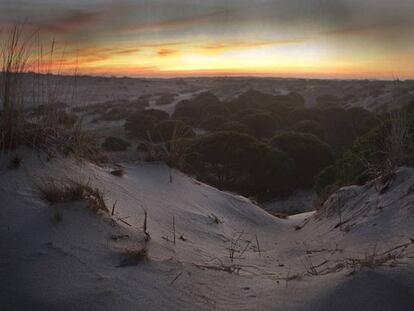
x: 115, y: 144
x: 57, y: 216
x: 118, y: 172
x: 134, y: 256
x: 96, y: 200
x: 214, y: 218
x: 15, y: 162
x: 55, y: 191
x: 237, y: 247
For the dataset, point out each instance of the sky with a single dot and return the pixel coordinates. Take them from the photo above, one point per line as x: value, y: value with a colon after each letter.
x: 285, y: 38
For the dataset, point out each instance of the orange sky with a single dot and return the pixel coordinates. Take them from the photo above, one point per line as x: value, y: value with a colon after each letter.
x: 304, y: 38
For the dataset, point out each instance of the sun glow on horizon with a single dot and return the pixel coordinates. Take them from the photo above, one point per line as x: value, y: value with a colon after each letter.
x: 351, y: 39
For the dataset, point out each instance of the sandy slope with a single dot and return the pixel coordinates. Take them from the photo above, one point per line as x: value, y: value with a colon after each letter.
x: 74, y: 264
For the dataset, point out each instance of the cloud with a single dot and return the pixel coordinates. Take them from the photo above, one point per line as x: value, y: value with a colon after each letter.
x: 379, y: 27
x: 228, y: 45
x: 166, y: 52
x: 67, y: 22
x: 178, y: 22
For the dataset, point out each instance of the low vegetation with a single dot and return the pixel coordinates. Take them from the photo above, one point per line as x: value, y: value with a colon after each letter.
x: 115, y: 144
x: 134, y: 256
x: 60, y: 191
x: 241, y: 163
x: 323, y: 147
x: 374, y: 154
x: 48, y: 127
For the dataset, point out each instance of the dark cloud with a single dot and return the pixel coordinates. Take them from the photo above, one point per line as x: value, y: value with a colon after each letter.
x: 68, y: 21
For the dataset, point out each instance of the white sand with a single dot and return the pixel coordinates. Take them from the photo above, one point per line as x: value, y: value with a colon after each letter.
x: 73, y: 264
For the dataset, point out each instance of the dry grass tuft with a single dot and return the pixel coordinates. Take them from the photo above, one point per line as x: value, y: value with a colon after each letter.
x: 134, y: 256
x: 60, y: 191
x: 55, y: 130
x: 119, y: 172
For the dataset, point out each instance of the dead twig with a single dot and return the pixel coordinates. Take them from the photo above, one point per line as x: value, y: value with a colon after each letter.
x: 176, y: 278
x: 258, y: 246
x: 113, y: 208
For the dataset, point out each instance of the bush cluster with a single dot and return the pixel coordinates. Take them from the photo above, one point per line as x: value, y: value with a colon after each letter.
x: 260, y: 144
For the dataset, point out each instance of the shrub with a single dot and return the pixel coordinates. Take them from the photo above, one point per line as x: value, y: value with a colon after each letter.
x: 238, y: 162
x: 65, y: 119
x: 343, y: 127
x: 165, y: 99
x: 60, y: 191
x: 115, y: 114
x: 261, y: 125
x: 253, y: 99
x: 301, y: 114
x: 215, y: 109
x: 15, y: 52
x: 349, y: 169
x: 389, y: 145
x: 158, y: 115
x: 171, y: 129
x: 361, y: 121
x: 212, y: 123
x: 329, y: 101
x: 115, y: 144
x: 374, y: 154
x: 15, y: 162
x: 234, y: 126
x: 308, y: 152
x: 238, y: 115
x: 134, y: 256
x: 118, y: 172
x: 293, y: 99
x: 195, y: 110
x: 309, y: 127
x: 140, y: 125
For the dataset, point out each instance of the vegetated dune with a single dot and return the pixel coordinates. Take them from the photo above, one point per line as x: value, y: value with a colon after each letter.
x: 355, y: 253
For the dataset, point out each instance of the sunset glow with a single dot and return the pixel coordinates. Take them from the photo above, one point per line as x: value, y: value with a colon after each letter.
x: 185, y: 38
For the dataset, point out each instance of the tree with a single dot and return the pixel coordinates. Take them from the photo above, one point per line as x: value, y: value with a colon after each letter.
x: 115, y: 144
x: 309, y: 154
x: 212, y: 123
x: 234, y: 126
x: 140, y: 125
x: 158, y: 115
x: 261, y: 125
x: 171, y: 129
x: 194, y: 111
x: 309, y: 127
x: 301, y: 114
x: 238, y: 162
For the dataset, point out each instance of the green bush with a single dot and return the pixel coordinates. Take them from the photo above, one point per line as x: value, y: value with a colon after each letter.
x: 140, y: 125
x: 158, y: 115
x: 343, y: 127
x: 115, y: 144
x: 238, y: 115
x: 301, y: 114
x: 350, y: 169
x: 195, y: 110
x: 238, y: 162
x: 329, y: 101
x: 65, y: 119
x: 309, y: 127
x: 171, y: 129
x: 371, y: 155
x: 261, y: 125
x: 212, y: 123
x: 309, y: 154
x: 234, y: 126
